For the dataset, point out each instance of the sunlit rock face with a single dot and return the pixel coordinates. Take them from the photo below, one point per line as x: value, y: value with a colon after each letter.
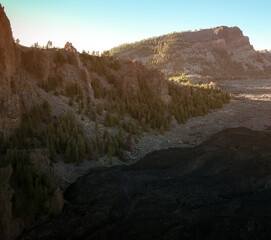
x: 221, y: 52
x: 131, y: 72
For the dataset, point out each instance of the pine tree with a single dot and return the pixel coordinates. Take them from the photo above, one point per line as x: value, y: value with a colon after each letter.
x: 89, y: 149
x: 76, y: 155
x: 110, y: 154
x: 52, y: 150
x: 70, y: 102
x: 68, y: 153
x: 81, y: 148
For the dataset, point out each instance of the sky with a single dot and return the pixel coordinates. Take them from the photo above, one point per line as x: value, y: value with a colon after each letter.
x: 102, y: 24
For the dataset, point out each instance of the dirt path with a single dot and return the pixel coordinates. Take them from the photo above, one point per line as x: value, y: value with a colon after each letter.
x: 250, y: 107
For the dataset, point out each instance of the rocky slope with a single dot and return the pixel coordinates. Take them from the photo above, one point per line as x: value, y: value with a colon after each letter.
x: 24, y: 70
x: 218, y: 190
x: 221, y: 52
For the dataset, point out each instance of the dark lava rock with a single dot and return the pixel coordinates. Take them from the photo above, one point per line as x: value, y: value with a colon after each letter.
x: 218, y: 190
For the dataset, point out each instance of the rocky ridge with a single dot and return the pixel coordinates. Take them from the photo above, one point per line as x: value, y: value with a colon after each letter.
x: 221, y: 52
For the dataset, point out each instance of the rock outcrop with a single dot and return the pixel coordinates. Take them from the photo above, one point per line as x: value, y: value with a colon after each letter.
x: 72, y: 50
x: 221, y: 52
x: 7, y: 47
x: 16, y: 91
x: 8, y: 102
x: 131, y: 72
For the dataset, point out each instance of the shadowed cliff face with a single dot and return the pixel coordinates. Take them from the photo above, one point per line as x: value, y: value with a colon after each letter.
x: 218, y: 190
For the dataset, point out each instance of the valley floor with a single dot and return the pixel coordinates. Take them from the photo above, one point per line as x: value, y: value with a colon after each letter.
x: 250, y: 107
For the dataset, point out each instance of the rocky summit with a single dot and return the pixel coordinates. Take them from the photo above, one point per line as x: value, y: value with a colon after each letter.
x: 218, y: 190
x: 221, y: 52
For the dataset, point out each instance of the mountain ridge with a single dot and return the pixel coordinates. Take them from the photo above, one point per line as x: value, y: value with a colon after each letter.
x: 220, y: 52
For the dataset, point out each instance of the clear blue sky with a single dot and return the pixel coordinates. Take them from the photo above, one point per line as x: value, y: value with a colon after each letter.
x: 103, y: 24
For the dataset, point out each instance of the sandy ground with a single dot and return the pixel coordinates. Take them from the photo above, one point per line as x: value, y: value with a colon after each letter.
x: 250, y: 107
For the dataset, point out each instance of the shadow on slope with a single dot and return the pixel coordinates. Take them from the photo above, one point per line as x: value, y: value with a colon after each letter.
x: 218, y: 190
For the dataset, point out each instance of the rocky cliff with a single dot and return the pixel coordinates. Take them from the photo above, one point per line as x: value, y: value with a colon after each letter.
x: 221, y: 52
x: 8, y: 101
x: 26, y: 73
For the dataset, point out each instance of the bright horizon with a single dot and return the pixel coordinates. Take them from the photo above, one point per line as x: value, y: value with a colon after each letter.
x: 102, y: 25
